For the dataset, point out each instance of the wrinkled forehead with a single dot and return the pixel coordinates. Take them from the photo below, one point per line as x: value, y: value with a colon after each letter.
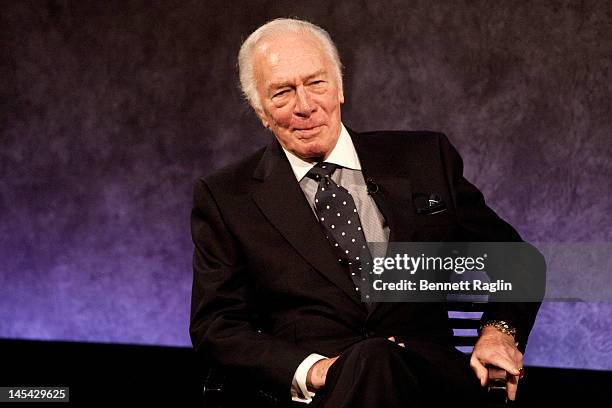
x: 289, y: 55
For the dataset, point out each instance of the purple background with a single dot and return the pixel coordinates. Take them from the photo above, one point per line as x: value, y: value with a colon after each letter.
x: 110, y: 111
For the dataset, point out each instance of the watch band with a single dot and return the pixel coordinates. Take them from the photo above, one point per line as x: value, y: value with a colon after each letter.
x: 501, y: 325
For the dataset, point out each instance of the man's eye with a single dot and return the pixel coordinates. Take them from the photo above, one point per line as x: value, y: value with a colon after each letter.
x: 281, y: 93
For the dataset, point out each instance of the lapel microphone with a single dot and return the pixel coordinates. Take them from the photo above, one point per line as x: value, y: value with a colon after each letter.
x: 372, y: 186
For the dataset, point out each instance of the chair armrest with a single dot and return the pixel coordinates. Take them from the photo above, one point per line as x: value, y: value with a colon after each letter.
x: 213, y: 388
x: 496, y: 387
x: 221, y: 390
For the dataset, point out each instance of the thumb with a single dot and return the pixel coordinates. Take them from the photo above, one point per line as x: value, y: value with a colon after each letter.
x: 481, y: 371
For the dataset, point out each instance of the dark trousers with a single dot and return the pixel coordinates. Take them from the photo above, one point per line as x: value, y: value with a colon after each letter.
x: 377, y: 372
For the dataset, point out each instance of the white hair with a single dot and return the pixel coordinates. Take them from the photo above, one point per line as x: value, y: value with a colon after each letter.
x: 274, y: 29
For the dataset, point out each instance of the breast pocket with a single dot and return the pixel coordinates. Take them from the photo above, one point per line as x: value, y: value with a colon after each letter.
x: 437, y: 228
x: 445, y: 218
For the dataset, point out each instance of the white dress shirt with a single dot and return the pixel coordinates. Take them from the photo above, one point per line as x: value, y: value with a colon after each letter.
x: 350, y: 177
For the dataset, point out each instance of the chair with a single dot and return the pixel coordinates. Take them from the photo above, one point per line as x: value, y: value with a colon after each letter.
x: 464, y: 318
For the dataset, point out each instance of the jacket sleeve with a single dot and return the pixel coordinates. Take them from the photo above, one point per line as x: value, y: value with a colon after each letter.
x: 480, y: 223
x: 223, y: 323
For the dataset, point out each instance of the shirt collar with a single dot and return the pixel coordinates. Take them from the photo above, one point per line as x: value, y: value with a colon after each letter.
x: 343, y: 154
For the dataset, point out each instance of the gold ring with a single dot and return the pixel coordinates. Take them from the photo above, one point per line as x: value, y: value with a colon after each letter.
x: 521, y: 373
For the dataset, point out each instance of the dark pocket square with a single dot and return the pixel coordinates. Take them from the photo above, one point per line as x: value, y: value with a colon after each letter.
x: 428, y: 204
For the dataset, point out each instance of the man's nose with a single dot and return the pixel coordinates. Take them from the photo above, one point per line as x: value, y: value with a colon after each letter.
x: 304, y: 106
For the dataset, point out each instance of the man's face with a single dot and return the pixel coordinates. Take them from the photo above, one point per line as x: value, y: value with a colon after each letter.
x: 299, y: 94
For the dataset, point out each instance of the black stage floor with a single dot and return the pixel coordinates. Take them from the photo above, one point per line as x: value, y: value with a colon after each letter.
x: 114, y: 374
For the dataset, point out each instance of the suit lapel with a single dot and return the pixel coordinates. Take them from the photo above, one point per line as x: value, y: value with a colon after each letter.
x: 282, y: 201
x: 390, y: 177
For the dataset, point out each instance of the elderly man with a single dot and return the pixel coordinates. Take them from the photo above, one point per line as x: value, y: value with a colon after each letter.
x: 276, y: 286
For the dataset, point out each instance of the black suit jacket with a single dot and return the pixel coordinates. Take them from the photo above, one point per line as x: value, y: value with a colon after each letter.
x: 268, y: 289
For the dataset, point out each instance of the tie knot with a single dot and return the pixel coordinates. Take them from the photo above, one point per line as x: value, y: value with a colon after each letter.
x: 321, y: 170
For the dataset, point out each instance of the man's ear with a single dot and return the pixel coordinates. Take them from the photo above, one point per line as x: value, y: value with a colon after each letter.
x: 262, y: 117
x: 341, y: 96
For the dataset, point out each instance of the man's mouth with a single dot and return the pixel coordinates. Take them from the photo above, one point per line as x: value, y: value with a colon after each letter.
x: 307, y: 132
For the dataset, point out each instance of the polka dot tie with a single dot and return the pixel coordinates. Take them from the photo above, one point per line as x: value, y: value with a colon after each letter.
x: 338, y: 215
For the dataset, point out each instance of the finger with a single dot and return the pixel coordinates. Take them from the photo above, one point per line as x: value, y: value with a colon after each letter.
x: 504, y: 362
x: 392, y: 338
x: 518, y: 360
x: 480, y: 370
x: 511, y: 387
x: 325, y: 369
x: 402, y: 344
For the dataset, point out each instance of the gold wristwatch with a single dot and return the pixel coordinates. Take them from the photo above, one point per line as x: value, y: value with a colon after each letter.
x: 501, y: 325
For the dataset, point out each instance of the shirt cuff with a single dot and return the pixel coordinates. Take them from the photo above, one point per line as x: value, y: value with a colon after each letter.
x: 299, y: 389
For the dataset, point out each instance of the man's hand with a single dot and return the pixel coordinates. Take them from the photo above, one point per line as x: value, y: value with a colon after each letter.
x: 498, y: 349
x: 315, y: 379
